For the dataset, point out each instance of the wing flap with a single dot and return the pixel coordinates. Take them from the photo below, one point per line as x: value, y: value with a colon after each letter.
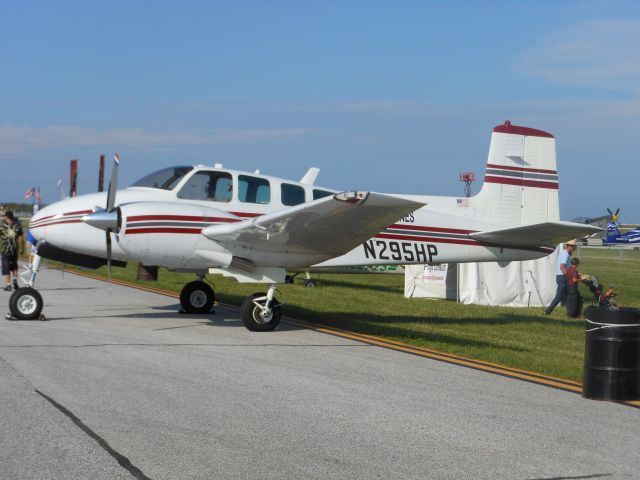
x: 547, y: 234
x: 329, y: 227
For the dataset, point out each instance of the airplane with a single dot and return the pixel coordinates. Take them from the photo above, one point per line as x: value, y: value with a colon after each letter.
x: 255, y: 228
x: 613, y: 235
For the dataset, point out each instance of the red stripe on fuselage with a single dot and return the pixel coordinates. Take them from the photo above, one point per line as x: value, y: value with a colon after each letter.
x: 183, y: 218
x: 246, y: 214
x: 461, y: 241
x: 192, y: 231
x: 55, y: 223
x: 79, y: 212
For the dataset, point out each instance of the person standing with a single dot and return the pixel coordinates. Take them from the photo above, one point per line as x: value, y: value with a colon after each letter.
x: 11, y: 236
x: 574, y: 300
x: 563, y: 265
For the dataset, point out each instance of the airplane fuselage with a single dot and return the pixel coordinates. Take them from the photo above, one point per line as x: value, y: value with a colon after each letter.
x: 163, y: 226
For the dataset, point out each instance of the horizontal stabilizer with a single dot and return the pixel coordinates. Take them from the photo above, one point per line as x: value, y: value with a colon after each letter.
x: 547, y: 234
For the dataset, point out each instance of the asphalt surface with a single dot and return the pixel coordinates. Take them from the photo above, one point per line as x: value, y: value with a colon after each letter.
x: 121, y: 386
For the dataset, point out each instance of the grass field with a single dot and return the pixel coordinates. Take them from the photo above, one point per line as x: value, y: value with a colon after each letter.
x: 374, y: 304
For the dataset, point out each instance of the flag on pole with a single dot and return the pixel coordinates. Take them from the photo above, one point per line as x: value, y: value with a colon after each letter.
x: 30, y: 192
x: 38, y: 196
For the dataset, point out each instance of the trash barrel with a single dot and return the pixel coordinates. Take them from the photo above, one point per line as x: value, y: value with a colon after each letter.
x: 612, y: 354
x: 147, y: 272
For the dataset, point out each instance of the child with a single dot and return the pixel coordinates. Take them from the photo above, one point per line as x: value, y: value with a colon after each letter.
x: 574, y: 300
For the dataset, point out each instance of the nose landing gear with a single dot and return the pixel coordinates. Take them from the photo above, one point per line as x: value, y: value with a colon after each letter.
x: 26, y: 303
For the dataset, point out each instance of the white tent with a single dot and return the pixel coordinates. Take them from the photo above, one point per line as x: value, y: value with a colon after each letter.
x: 517, y: 284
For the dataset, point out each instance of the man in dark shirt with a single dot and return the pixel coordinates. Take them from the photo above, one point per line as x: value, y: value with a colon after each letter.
x: 11, y: 236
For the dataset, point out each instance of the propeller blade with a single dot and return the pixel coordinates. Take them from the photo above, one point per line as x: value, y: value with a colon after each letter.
x: 113, y: 184
x: 618, y: 211
x: 109, y: 257
x: 610, y: 212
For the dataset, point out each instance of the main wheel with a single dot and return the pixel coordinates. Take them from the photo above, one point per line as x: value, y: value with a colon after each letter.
x: 197, y: 297
x: 255, y: 319
x: 26, y: 304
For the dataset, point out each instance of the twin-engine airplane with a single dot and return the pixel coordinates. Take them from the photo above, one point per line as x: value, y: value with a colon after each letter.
x: 255, y: 228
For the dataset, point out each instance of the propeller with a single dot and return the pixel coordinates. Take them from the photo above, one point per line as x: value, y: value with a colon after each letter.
x: 108, y: 219
x: 614, y: 216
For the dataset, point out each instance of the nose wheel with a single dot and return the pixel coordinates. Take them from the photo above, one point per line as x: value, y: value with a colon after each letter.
x: 197, y: 297
x: 26, y: 304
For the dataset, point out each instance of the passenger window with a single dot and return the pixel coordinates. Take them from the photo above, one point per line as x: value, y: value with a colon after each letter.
x: 253, y: 189
x: 291, y: 194
x: 321, y: 194
x: 211, y: 186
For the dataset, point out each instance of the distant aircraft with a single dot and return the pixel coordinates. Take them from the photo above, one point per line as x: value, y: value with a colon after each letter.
x: 615, y: 237
x: 255, y: 228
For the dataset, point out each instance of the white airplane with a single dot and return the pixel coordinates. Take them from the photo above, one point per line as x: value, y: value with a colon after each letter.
x: 255, y: 228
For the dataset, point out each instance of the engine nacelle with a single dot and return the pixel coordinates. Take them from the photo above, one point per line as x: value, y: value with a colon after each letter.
x: 170, y: 235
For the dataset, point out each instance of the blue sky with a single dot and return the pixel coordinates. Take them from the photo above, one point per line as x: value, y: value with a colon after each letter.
x: 386, y: 96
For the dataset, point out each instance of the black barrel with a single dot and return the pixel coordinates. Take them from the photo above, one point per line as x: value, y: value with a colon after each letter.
x: 612, y: 354
x: 147, y: 272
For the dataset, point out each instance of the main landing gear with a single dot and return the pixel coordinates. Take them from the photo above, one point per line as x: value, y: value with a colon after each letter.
x: 261, y: 312
x: 197, y: 297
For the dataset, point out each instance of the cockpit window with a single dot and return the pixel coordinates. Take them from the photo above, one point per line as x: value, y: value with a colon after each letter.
x: 212, y: 186
x: 253, y: 189
x: 292, y: 194
x: 165, y: 179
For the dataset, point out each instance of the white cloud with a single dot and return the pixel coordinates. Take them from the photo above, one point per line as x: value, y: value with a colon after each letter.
x: 599, y: 53
x: 16, y: 140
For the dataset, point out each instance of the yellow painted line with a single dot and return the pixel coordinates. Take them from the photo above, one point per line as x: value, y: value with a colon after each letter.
x: 510, y: 372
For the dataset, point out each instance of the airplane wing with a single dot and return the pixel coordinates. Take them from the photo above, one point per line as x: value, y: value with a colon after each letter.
x: 330, y: 227
x: 541, y: 234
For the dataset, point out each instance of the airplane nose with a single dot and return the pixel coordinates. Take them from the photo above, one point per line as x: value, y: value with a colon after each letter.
x: 38, y: 223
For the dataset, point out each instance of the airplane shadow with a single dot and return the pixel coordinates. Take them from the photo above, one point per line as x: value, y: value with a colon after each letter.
x: 358, y: 286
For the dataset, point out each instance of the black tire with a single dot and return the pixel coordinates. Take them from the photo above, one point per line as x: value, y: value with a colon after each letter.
x: 197, y: 297
x: 252, y: 318
x: 288, y: 279
x: 26, y: 304
x: 310, y: 282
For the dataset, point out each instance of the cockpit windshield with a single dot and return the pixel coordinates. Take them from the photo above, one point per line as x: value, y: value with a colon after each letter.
x: 165, y: 179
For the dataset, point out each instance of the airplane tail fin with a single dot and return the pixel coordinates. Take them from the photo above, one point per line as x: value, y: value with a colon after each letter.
x: 521, y: 181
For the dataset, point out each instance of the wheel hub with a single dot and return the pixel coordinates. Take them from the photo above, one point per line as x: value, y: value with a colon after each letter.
x: 27, y: 304
x: 198, y: 298
x: 262, y: 314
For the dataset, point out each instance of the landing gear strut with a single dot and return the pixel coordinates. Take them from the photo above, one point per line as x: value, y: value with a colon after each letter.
x: 197, y: 297
x: 261, y: 312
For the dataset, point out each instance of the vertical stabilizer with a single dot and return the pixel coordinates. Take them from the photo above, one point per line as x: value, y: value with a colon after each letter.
x: 521, y: 181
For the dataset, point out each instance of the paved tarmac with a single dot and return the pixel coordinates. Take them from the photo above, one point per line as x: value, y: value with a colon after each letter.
x: 122, y: 386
